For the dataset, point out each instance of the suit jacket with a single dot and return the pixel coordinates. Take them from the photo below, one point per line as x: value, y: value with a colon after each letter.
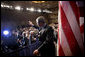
x: 47, y: 47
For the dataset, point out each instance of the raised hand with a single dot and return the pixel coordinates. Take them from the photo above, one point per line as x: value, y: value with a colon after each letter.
x: 30, y: 23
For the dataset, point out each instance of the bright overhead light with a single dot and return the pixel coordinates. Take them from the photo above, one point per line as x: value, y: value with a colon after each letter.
x: 7, y: 6
x: 2, y: 5
x: 31, y: 9
x: 18, y: 8
x: 38, y: 1
x: 6, y: 32
x: 47, y: 11
x: 27, y: 8
x: 39, y: 10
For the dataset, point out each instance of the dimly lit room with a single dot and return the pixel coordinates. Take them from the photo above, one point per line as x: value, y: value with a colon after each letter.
x: 42, y: 28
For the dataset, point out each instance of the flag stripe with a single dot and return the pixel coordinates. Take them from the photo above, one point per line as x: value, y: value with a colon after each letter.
x: 71, y: 28
x: 73, y: 23
x: 80, y: 5
x: 60, y: 50
x: 81, y: 19
x: 75, y: 11
x: 63, y: 41
x: 65, y: 45
x: 83, y: 36
x: 81, y: 10
x: 69, y: 34
x: 82, y: 28
x: 61, y: 53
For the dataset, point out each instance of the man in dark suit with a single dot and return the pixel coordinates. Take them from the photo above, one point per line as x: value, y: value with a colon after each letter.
x: 47, y: 38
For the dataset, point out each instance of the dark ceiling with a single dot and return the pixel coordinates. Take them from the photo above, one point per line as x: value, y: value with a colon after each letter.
x: 12, y: 18
x: 45, y: 5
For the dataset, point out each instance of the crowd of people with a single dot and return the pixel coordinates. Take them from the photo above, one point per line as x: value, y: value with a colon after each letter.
x: 45, y: 34
x: 23, y: 35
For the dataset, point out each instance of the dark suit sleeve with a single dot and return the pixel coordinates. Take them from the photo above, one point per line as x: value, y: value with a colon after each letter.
x: 35, y: 27
x: 47, y: 37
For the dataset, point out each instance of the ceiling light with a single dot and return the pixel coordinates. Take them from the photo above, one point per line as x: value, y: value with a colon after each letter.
x: 2, y: 5
x: 38, y: 1
x: 7, y: 6
x: 31, y: 9
x: 27, y: 8
x: 39, y: 10
x: 47, y: 11
x: 18, y: 8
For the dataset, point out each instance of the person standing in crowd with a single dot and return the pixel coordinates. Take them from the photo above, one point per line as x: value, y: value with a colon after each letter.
x: 47, y: 38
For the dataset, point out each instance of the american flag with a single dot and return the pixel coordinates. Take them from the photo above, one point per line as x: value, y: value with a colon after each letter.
x: 70, y: 28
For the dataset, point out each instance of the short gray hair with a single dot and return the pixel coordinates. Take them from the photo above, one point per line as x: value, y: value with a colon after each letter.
x: 40, y: 19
